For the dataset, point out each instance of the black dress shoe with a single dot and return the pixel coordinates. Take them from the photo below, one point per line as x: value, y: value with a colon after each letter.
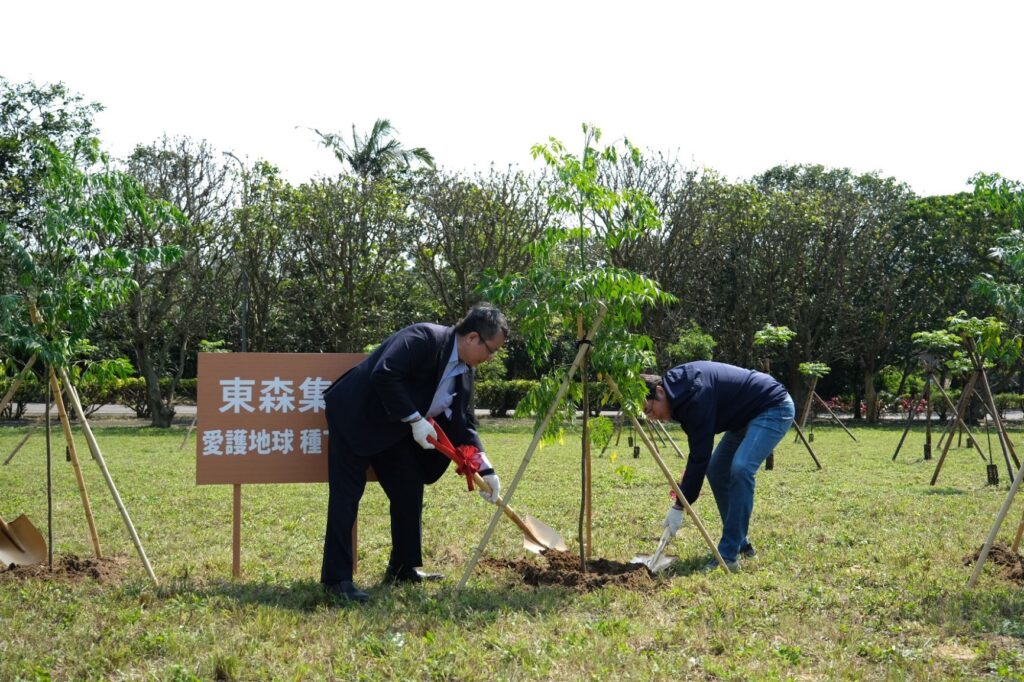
x: 346, y: 590
x: 409, y: 575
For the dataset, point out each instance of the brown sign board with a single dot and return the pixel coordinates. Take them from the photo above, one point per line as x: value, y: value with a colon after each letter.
x: 260, y: 416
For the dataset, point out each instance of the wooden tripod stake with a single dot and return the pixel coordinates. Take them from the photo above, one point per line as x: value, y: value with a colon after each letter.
x: 987, y: 547
x: 978, y: 378
x: 658, y: 426
x: 956, y: 422
x: 96, y: 454
x: 584, y: 348
x: 73, y: 452
x: 807, y: 405
x: 812, y: 397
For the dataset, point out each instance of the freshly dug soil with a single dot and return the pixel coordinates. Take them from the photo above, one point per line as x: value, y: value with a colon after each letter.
x: 1011, y: 565
x: 563, y: 570
x: 70, y: 568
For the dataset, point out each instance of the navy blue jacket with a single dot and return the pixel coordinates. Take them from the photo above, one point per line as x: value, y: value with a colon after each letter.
x: 366, y: 405
x: 713, y: 397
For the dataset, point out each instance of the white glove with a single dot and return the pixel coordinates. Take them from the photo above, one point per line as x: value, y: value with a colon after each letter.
x: 673, y: 520
x: 421, y: 429
x: 491, y: 479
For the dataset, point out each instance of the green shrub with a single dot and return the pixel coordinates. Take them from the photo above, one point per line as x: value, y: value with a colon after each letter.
x: 501, y: 397
x: 30, y: 391
x: 1008, y: 401
x: 186, y: 390
x: 133, y: 394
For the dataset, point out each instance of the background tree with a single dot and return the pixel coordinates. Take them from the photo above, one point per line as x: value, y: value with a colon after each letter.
x: 875, y: 316
x: 175, y: 303
x: 693, y: 344
x: 472, y: 226
x: 375, y: 155
x: 30, y: 113
x: 263, y: 220
x: 346, y: 282
x: 1001, y: 283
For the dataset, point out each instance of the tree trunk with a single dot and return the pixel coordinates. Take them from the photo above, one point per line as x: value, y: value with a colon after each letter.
x: 161, y: 412
x: 870, y: 396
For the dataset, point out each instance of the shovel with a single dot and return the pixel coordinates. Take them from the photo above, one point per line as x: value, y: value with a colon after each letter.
x: 538, y: 535
x: 656, y: 562
x: 21, y: 543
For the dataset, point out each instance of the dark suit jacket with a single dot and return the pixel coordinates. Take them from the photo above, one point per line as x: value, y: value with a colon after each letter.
x: 366, y: 405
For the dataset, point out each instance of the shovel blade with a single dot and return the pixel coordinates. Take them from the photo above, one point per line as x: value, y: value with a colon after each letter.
x: 546, y: 537
x: 27, y: 536
x: 654, y: 563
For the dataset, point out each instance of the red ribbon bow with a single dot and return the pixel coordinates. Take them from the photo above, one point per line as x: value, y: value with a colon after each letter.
x: 466, y: 457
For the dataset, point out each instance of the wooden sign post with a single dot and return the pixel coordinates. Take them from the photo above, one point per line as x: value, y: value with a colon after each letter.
x: 260, y: 419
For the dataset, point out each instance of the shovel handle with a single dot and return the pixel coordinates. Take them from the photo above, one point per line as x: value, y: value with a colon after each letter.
x: 10, y: 535
x: 445, y: 447
x: 516, y: 519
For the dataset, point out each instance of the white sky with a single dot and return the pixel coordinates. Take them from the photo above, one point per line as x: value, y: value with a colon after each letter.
x: 928, y: 92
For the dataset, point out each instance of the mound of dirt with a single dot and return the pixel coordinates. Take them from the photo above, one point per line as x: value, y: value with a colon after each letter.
x: 70, y: 568
x: 1011, y: 565
x: 563, y: 570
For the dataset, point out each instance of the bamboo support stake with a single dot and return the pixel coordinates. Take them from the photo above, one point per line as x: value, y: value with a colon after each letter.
x: 648, y: 429
x: 1017, y: 537
x: 188, y: 431
x: 962, y: 424
x: 965, y: 400
x: 910, y: 421
x: 990, y: 405
x: 661, y: 427
x: 584, y: 348
x: 833, y: 415
x: 19, y: 445
x: 672, y: 481
x: 1000, y: 436
x: 987, y: 547
x: 1007, y: 444
x: 9, y: 396
x: 807, y: 405
x: 800, y: 435
x: 98, y: 456
x: 73, y: 452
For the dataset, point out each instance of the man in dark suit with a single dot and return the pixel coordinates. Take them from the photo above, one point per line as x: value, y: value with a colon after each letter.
x: 377, y: 415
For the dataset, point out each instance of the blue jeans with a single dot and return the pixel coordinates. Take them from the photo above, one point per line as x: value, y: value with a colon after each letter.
x: 731, y: 470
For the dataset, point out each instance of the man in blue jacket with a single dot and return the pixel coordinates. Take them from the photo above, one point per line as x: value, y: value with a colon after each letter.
x: 752, y: 409
x: 377, y: 415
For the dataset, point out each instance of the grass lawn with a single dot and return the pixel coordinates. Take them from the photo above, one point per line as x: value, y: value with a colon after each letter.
x: 859, y: 574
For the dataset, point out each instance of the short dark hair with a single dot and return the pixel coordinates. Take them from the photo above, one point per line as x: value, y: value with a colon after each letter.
x: 652, y: 381
x: 484, y: 319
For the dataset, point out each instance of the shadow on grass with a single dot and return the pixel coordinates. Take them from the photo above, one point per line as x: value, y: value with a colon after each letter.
x: 440, y: 601
x: 945, y: 491
x: 994, y: 609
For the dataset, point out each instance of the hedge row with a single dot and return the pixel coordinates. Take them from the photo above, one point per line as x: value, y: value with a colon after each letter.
x: 94, y: 394
x: 499, y: 397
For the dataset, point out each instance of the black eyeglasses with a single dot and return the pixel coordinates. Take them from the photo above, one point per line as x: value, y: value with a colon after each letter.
x: 490, y: 351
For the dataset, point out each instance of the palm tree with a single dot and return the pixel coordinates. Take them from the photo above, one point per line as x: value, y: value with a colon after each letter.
x: 376, y: 154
